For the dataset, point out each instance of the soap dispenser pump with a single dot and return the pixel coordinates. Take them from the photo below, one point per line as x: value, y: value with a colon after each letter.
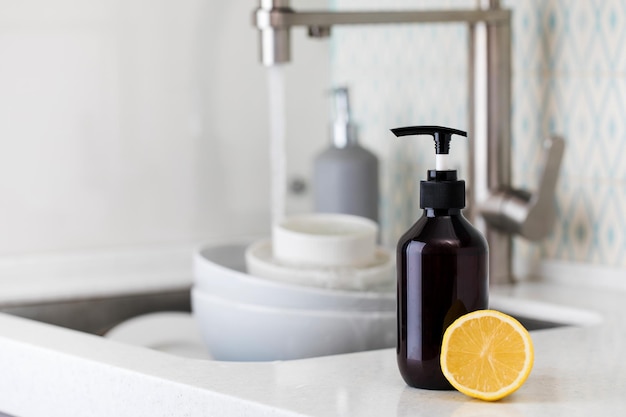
x: 442, y: 267
x: 345, y: 178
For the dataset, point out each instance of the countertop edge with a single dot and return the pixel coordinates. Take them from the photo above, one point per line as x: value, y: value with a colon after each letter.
x: 108, y: 378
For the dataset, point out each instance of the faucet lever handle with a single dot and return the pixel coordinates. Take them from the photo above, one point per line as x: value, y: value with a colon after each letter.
x: 528, y: 214
x: 555, y: 147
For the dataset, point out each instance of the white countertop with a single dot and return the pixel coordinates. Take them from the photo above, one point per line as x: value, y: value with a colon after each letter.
x: 51, y: 371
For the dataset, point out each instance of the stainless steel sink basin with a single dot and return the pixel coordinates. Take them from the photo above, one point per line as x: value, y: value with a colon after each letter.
x: 536, y: 315
x: 98, y: 315
x: 532, y: 324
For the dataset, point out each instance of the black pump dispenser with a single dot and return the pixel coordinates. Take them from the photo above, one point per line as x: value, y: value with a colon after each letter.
x: 442, y: 190
x: 442, y: 268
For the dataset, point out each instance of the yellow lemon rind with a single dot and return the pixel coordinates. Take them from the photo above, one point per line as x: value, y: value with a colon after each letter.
x: 504, y: 391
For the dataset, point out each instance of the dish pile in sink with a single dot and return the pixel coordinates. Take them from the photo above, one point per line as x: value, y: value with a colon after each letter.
x: 320, y: 287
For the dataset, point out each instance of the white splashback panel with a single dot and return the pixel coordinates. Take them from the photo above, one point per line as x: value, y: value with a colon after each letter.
x: 140, y: 122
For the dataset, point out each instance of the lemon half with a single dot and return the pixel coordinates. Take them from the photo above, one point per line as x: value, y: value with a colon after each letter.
x: 486, y: 354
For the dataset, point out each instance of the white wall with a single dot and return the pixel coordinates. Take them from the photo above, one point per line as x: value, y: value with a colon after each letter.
x: 137, y: 122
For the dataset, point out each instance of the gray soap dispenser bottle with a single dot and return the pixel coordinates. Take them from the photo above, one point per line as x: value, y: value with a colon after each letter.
x: 345, y: 178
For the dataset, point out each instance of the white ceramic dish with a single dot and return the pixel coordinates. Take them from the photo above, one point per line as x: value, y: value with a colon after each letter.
x: 380, y: 271
x: 235, y: 331
x: 325, y: 239
x: 171, y: 332
x: 220, y: 269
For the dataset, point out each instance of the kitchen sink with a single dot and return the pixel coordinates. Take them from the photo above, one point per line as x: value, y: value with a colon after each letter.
x: 537, y: 315
x: 97, y: 315
x: 532, y: 324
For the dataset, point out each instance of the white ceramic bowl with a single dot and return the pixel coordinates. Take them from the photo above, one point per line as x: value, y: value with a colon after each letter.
x: 235, y: 331
x: 220, y: 269
x: 380, y: 270
x: 325, y: 239
x: 174, y: 332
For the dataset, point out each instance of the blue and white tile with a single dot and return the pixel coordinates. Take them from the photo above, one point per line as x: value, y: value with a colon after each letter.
x: 569, y: 64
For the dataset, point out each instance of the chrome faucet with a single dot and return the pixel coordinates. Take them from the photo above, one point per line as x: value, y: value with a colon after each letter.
x: 493, y: 205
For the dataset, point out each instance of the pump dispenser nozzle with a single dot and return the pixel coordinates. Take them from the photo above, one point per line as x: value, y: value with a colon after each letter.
x: 442, y: 190
x: 442, y: 136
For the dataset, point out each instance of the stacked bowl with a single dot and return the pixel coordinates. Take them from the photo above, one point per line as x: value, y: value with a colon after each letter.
x: 321, y: 286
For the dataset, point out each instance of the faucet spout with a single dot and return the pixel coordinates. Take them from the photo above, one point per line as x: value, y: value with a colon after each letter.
x: 275, y: 18
x: 275, y: 40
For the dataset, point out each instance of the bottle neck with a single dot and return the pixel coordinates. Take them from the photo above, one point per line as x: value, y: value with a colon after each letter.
x: 344, y: 135
x: 430, y: 212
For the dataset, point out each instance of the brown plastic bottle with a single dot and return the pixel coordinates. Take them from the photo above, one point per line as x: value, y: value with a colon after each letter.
x: 442, y: 272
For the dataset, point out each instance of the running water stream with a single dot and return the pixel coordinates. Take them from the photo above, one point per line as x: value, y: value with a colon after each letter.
x: 278, y: 146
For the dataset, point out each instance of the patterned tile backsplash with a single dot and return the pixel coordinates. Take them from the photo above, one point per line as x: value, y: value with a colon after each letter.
x: 569, y: 59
